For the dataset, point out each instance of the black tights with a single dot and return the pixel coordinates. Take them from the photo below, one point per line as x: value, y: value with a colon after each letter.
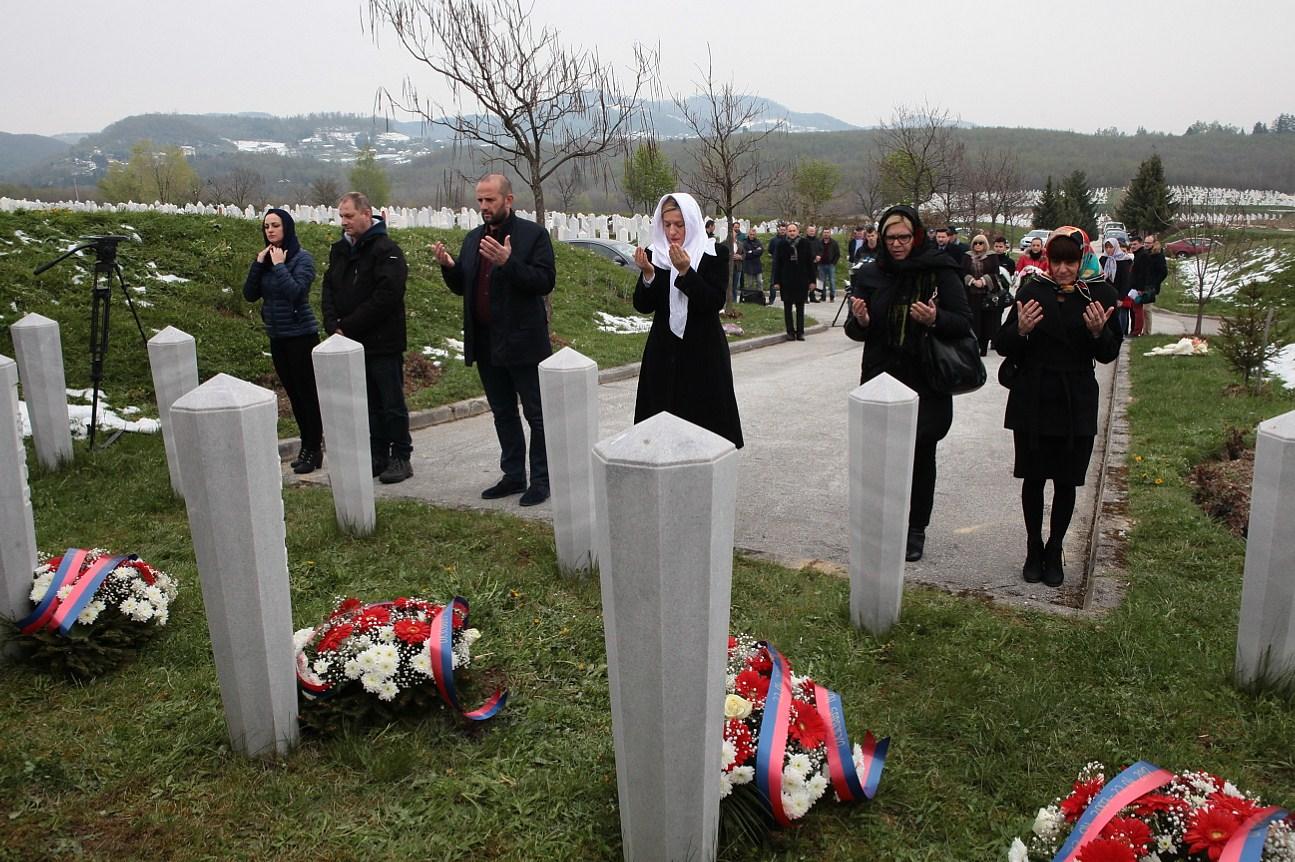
x: 1063, y: 507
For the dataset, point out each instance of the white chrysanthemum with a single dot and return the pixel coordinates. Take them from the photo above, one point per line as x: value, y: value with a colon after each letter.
x: 359, y: 643
x: 800, y: 763
x: 1018, y: 851
x: 41, y: 585
x: 300, y: 638
x: 796, y: 804
x: 63, y: 592
x: 725, y: 785
x: 470, y: 636
x: 161, y: 616
x: 387, y: 634
x: 1048, y: 822
x: 728, y: 754
x: 386, y: 689
x: 792, y: 779
x: 90, y: 613
x: 154, y: 595
x: 137, y: 609
x: 380, y: 660
x: 422, y: 662
x: 321, y: 666
x: 1231, y: 790
x: 352, y: 669
x: 372, y: 682
x: 816, y: 785
x: 741, y: 774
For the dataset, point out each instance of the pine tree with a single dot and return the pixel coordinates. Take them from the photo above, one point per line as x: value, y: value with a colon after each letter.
x: 1077, y: 205
x: 1047, y: 212
x: 1252, y: 332
x: 1148, y: 205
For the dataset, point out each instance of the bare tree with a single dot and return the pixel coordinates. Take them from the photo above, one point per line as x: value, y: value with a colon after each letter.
x: 325, y: 191
x: 535, y: 104
x: 241, y: 186
x: 1219, y: 221
x: 728, y: 168
x: 917, y: 144
x: 570, y: 182
x: 1000, y: 175
x: 953, y: 194
x: 867, y: 190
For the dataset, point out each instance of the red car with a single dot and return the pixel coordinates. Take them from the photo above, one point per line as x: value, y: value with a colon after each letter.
x: 1189, y: 246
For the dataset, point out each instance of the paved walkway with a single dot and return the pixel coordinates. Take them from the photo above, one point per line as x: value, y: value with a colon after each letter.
x: 792, y: 495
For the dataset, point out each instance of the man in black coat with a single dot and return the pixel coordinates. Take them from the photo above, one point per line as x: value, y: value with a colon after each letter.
x: 363, y: 298
x: 504, y: 272
x: 947, y: 239
x: 779, y: 239
x: 795, y: 270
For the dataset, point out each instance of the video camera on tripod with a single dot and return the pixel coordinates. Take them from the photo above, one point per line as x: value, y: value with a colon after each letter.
x: 105, y: 266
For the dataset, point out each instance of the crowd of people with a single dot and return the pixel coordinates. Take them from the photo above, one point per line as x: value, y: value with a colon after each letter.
x: 1052, y: 314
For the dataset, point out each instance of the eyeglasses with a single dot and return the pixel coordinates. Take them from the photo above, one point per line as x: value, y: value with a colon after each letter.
x: 899, y: 238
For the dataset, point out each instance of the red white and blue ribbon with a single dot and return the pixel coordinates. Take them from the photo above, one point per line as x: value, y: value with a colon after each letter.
x: 772, y: 748
x: 440, y: 647
x: 1247, y: 843
x: 1138, y: 780
x: 58, y: 614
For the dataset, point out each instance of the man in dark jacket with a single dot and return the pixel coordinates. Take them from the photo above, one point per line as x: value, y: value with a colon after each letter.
x: 795, y: 270
x: 827, y: 258
x: 364, y: 299
x: 504, y: 272
x: 1149, y: 271
x: 779, y: 240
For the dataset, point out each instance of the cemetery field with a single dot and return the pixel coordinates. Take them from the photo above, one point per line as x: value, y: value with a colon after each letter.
x: 1272, y: 259
x: 991, y: 711
x: 188, y: 271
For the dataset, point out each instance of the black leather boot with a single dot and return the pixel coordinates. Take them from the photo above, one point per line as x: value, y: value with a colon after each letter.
x: 916, y: 543
x: 1053, y: 573
x: 309, y: 461
x: 1032, y: 571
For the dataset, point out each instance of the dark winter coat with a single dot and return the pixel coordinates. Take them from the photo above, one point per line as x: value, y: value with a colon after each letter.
x: 364, y: 291
x: 892, y: 341
x: 1149, y: 272
x: 691, y: 377
x: 830, y: 254
x: 752, y: 249
x: 795, y: 276
x: 1055, y: 390
x: 519, y: 324
x: 285, y: 289
x: 777, y: 242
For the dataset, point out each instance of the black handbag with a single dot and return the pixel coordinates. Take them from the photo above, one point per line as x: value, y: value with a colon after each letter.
x: 952, y: 364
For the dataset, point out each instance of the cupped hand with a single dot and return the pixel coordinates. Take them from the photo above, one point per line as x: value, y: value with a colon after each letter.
x: 442, y: 254
x: 1028, y: 316
x: 922, y: 312
x: 1095, y: 317
x: 644, y: 264
x: 679, y: 258
x: 859, y: 308
x: 494, y: 251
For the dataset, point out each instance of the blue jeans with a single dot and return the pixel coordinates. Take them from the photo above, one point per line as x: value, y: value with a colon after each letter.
x: 737, y: 281
x: 827, y: 281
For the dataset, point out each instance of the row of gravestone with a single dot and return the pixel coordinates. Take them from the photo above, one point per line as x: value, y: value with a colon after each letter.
x: 652, y: 509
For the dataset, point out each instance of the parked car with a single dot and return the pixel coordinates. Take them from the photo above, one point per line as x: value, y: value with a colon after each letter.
x: 1188, y: 246
x: 619, y: 253
x: 1118, y: 233
x: 1113, y: 225
x: 1032, y: 236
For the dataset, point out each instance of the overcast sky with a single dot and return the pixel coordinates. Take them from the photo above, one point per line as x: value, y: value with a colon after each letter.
x: 77, y: 65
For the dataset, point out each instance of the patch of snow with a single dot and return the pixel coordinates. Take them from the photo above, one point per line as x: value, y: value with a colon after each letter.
x: 276, y: 147
x: 1283, y: 366
x: 139, y: 289
x: 455, y: 346
x: 174, y: 279
x: 1227, y: 277
x: 622, y: 325
x: 23, y: 238
x: 435, y: 351
x: 107, y: 420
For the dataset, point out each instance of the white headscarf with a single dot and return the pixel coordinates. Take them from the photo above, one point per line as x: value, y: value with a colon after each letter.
x: 695, y: 243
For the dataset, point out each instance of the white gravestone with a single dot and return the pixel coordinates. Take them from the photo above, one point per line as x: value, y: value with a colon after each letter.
x: 17, y: 528
x: 666, y: 500
x: 1266, y: 630
x: 569, y: 396
x: 226, y: 436
x: 344, y: 408
x: 882, y: 435
x: 40, y: 366
x: 173, y: 358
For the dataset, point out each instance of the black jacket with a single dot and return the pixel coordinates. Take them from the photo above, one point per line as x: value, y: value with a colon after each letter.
x: 775, y: 243
x: 831, y: 252
x: 1055, y: 392
x: 519, y: 326
x: 691, y: 377
x: 794, y: 277
x: 1149, y: 272
x: 752, y: 249
x: 364, y: 291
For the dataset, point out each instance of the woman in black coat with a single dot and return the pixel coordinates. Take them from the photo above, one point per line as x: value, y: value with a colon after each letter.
x: 980, y: 275
x: 1058, y: 328
x: 686, y: 369
x: 911, y: 289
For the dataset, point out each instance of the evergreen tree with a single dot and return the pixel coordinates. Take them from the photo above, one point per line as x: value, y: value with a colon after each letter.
x: 648, y: 176
x: 1148, y: 205
x: 368, y: 178
x: 1284, y: 124
x: 1047, y: 212
x: 1252, y: 332
x: 1260, y: 128
x: 1077, y: 205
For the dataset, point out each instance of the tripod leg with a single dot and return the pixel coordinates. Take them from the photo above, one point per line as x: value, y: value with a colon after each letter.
x: 840, y: 307
x: 99, y: 307
x: 130, y: 303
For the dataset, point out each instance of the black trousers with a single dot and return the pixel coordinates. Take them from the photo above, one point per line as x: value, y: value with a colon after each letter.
x: 296, y: 370
x: 384, y: 377
x: 923, y: 497
x: 505, y: 385
x: 799, y: 328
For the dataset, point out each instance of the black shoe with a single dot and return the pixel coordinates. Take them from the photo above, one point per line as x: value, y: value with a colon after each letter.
x: 916, y: 544
x: 297, y: 459
x: 534, y: 495
x: 800, y: 338
x: 1032, y: 571
x: 504, y: 488
x: 1053, y: 573
x: 379, y: 466
x: 791, y: 337
x: 308, y: 461
x: 398, y: 470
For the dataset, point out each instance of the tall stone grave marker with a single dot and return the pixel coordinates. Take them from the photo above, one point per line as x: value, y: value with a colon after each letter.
x: 225, y: 432
x: 344, y: 408
x: 666, y: 496
x: 569, y: 396
x: 1266, y: 632
x: 883, y: 431
x: 17, y: 529
x: 173, y: 358
x: 44, y: 387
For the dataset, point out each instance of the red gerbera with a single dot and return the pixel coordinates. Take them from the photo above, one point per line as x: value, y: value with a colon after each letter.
x: 732, y: 642
x: 1209, y: 831
x: 1237, y: 806
x: 1106, y: 850
x: 806, y: 725
x: 333, y: 638
x: 737, y: 732
x: 346, y: 606
x: 752, y: 685
x: 1084, y: 791
x: 374, y: 617
x: 413, y: 631
x: 1131, y: 831
x: 760, y: 661
x: 1153, y: 803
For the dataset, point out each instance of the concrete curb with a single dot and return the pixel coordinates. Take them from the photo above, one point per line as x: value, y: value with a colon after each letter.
x: 1104, y: 570
x: 476, y: 406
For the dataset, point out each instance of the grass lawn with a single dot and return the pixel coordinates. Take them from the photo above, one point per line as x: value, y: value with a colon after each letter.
x: 991, y: 711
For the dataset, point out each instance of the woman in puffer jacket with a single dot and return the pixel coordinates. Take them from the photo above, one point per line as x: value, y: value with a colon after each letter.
x: 281, y: 276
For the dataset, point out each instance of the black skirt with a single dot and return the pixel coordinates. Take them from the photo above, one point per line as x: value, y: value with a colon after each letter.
x: 1062, y: 459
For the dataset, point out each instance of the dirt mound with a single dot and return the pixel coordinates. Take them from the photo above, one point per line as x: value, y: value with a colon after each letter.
x: 1222, y: 487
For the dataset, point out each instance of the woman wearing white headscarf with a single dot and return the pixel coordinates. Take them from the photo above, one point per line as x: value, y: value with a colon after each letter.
x: 686, y: 368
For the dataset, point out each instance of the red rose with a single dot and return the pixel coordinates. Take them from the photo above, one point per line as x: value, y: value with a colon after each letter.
x: 752, y: 685
x: 413, y: 631
x: 1106, y: 850
x: 806, y: 725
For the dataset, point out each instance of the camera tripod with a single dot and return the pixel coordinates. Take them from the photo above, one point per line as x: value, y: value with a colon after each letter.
x: 105, y: 266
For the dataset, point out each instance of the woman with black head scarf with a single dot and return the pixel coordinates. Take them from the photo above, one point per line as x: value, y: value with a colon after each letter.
x: 911, y: 289
x: 281, y: 276
x: 1062, y: 323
